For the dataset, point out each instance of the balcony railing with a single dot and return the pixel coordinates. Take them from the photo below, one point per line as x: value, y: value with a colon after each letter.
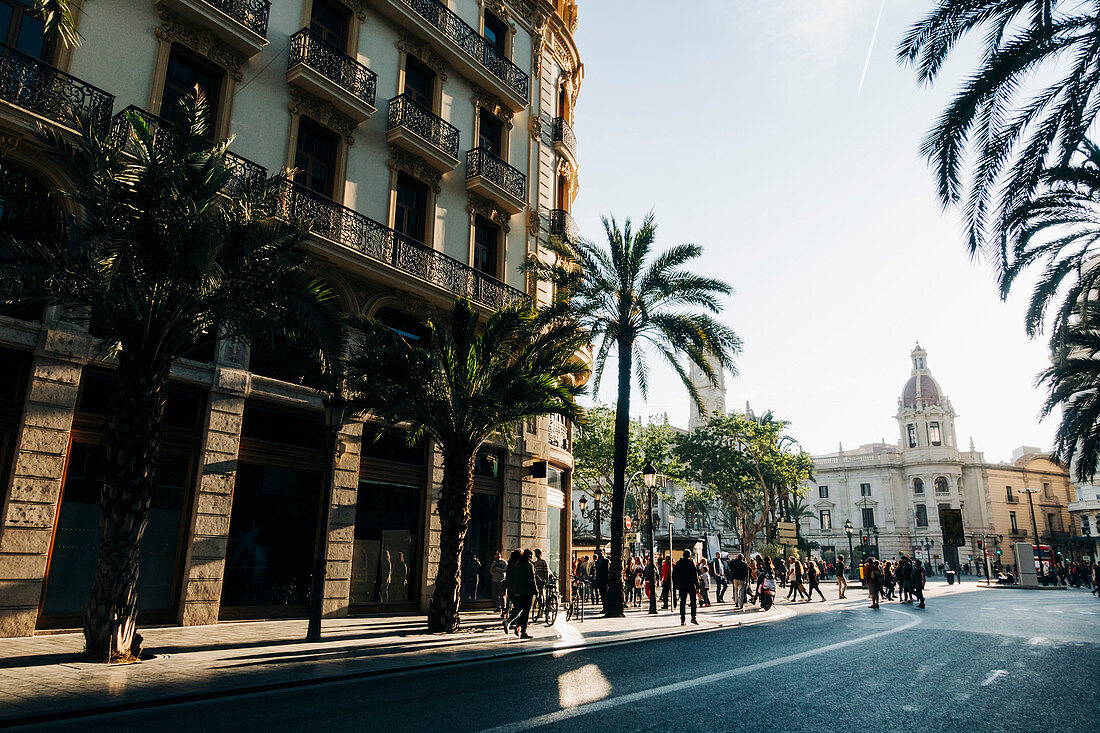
x: 252, y: 14
x: 472, y: 42
x: 562, y: 226
x: 404, y: 112
x: 559, y: 432
x: 563, y: 133
x: 377, y: 241
x: 45, y: 90
x: 310, y: 50
x: 244, y: 170
x: 481, y: 162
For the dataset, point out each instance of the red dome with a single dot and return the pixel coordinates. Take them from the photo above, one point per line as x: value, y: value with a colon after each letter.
x: 929, y: 391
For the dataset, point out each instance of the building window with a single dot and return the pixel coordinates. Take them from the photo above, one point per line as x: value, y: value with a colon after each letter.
x: 912, y: 431
x: 1012, y: 521
x: 185, y: 72
x: 490, y: 133
x: 934, y: 434
x: 1054, y: 523
x: 486, y: 245
x: 922, y: 515
x: 826, y: 519
x: 329, y: 21
x: 20, y: 29
x: 496, y: 33
x: 1010, y: 496
x: 315, y: 157
x: 823, y: 492
x: 941, y: 485
x: 865, y: 489
x: 918, y: 486
x: 411, y: 215
x: 1046, y: 491
x: 419, y: 82
x: 868, y: 517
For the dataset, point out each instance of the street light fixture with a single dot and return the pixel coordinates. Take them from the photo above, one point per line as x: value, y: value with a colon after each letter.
x: 1031, y: 506
x: 848, y: 530
x: 649, y: 478
x: 874, y: 531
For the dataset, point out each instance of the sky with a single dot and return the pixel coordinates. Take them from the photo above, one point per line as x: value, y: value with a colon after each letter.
x: 741, y: 124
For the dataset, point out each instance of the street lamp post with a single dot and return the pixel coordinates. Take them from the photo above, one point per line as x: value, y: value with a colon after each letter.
x: 336, y: 408
x: 672, y: 589
x: 927, y: 544
x: 874, y: 531
x: 649, y: 478
x: 848, y: 530
x: 1031, y: 506
x: 597, y: 495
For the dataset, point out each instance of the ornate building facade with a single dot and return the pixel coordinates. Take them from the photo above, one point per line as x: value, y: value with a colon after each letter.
x: 893, y: 492
x: 434, y: 153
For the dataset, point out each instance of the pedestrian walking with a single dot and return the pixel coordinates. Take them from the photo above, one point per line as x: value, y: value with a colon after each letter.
x: 685, y: 579
x: 916, y: 581
x: 718, y: 572
x: 873, y: 576
x: 813, y: 578
x: 739, y: 572
x: 602, y: 575
x: 704, y: 583
x: 841, y: 575
x: 521, y: 585
x: 498, y: 571
x: 666, y: 581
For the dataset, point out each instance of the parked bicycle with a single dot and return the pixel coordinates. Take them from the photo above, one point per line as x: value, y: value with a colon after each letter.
x: 547, y: 601
x: 574, y: 610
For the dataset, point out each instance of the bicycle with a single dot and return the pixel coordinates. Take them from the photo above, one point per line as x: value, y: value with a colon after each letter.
x: 546, y: 602
x: 574, y: 610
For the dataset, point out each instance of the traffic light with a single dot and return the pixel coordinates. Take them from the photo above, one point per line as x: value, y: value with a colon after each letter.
x: 866, y: 539
x: 998, y: 550
x: 981, y: 545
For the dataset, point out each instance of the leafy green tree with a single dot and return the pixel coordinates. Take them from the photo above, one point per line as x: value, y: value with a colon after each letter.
x: 163, y: 254
x: 475, y: 380
x: 627, y: 300
x: 594, y: 453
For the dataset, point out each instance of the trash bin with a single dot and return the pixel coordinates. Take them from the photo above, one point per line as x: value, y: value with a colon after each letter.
x: 950, y: 577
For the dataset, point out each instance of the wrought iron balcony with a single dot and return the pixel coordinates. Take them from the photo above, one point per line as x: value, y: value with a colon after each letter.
x: 471, y: 43
x: 44, y: 90
x: 335, y: 76
x: 244, y: 170
x: 412, y: 126
x: 252, y: 14
x: 239, y: 24
x: 563, y: 136
x: 377, y: 241
x: 558, y: 435
x: 492, y: 177
x: 562, y: 226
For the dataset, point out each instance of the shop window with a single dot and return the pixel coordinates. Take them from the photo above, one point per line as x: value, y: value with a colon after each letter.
x: 185, y: 72
x: 272, y: 537
x: 922, y: 515
x: 315, y: 157
x: 486, y: 245
x: 555, y: 505
x: 76, y: 540
x: 490, y: 135
x: 385, y: 558
x: 419, y: 83
x: 391, y: 446
x: 21, y: 28
x: 286, y: 428
x: 496, y: 33
x: 488, y: 463
x: 184, y: 407
x: 411, y: 215
x: 329, y: 21
x: 482, y: 540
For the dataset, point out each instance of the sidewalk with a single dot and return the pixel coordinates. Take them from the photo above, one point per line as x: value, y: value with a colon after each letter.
x: 42, y: 677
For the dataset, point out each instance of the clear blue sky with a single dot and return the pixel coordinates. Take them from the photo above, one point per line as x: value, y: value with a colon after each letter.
x: 738, y: 122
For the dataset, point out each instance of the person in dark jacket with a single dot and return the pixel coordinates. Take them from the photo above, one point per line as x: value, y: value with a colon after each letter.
x: 521, y: 584
x: 685, y: 578
x: 739, y: 574
x: 718, y: 570
x: 602, y: 573
x: 916, y: 582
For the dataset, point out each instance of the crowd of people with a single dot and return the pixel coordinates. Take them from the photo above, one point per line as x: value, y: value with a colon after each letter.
x: 515, y: 585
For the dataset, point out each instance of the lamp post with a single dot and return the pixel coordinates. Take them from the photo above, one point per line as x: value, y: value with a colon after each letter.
x: 848, y: 530
x: 1031, y: 506
x: 927, y: 544
x: 595, y: 514
x: 649, y: 478
x: 336, y: 408
x: 672, y: 589
x: 874, y: 531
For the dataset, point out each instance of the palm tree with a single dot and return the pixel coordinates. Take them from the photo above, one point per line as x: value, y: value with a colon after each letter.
x: 797, y: 510
x: 993, y: 140
x: 1073, y: 384
x: 626, y: 300
x: 472, y: 382
x: 161, y: 256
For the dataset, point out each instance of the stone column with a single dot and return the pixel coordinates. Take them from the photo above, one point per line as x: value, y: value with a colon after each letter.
x: 205, y: 565
x: 341, y: 525
x: 27, y: 527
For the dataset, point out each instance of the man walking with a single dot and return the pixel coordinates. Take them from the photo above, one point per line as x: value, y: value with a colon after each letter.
x: 841, y: 575
x: 685, y: 578
x: 718, y: 570
x: 739, y: 571
x: 498, y: 569
x: 602, y: 572
x: 916, y: 582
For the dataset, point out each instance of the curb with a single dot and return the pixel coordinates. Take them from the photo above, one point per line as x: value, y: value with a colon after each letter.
x: 120, y: 707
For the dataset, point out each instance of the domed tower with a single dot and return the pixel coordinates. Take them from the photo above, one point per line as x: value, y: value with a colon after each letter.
x: 713, y: 395
x: 925, y: 415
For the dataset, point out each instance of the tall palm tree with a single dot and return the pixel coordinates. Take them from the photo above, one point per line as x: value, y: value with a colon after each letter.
x: 797, y: 510
x: 472, y: 381
x: 162, y: 254
x: 627, y: 300
x: 993, y: 140
x: 1073, y: 384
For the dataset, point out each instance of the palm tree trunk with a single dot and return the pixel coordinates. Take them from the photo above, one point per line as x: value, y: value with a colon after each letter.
x: 454, y: 519
x: 614, y: 602
x: 133, y: 452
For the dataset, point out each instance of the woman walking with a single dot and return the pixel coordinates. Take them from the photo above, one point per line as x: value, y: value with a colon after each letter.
x: 813, y: 577
x: 704, y: 582
x: 521, y: 586
x: 873, y: 575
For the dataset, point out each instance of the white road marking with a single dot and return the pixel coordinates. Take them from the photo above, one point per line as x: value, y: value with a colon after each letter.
x: 614, y: 702
x: 994, y: 676
x: 1087, y: 613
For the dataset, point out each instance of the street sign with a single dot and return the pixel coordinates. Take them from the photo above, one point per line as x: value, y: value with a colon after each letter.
x: 627, y: 521
x: 786, y: 526
x: 632, y: 538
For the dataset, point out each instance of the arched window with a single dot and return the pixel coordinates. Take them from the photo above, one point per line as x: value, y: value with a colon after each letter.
x: 941, y: 485
x: 408, y: 327
x: 918, y: 486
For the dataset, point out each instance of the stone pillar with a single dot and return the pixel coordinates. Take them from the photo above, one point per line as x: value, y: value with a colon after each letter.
x: 209, y: 538
x: 27, y: 527
x: 341, y: 525
x: 430, y: 563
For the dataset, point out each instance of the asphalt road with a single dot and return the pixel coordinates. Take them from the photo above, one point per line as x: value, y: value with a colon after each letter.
x: 995, y: 660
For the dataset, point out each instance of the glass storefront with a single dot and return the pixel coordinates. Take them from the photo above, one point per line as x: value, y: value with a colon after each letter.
x: 272, y: 534
x: 481, y: 543
x: 76, y: 540
x: 555, y: 508
x: 384, y: 562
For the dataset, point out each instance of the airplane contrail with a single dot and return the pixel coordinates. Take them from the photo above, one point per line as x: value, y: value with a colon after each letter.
x: 870, y: 49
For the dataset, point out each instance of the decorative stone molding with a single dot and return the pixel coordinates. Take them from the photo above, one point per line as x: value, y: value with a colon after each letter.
x: 415, y: 166
x: 536, y: 127
x: 323, y: 112
x: 482, y: 207
x: 359, y: 7
x: 499, y: 9
x: 201, y: 41
x: 8, y: 143
x: 534, y: 222
x: 492, y: 104
x: 565, y: 168
x: 424, y: 52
